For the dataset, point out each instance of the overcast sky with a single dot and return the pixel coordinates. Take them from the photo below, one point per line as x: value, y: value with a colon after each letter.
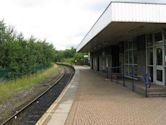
x: 63, y: 23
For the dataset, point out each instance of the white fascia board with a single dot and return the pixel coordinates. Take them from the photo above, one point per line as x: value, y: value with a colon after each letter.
x: 136, y: 12
x: 123, y: 11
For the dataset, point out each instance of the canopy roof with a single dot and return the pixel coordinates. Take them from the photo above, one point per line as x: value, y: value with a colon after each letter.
x: 124, y: 19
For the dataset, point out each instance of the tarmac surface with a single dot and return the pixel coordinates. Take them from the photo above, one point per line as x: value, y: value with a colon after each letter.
x: 90, y: 99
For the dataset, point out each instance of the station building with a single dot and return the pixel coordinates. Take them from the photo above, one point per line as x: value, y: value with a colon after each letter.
x: 129, y: 38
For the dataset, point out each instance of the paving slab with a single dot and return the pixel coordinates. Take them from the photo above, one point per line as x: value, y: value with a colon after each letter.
x: 101, y: 102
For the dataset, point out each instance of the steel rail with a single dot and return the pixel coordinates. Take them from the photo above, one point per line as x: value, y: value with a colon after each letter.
x: 55, y: 80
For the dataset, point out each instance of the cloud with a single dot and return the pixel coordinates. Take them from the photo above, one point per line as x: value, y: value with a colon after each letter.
x: 99, y: 6
x: 28, y: 3
x: 63, y: 23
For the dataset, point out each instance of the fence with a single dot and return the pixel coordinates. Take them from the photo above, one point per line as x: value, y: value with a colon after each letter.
x: 3, y: 73
x: 8, y: 74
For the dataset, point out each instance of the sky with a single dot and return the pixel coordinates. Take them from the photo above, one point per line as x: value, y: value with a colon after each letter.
x: 63, y: 23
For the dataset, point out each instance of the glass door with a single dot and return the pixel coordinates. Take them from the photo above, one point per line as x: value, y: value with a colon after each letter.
x: 155, y: 58
x: 159, y: 66
x: 150, y: 62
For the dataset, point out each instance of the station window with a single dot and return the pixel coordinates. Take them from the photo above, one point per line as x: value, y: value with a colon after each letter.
x: 130, y: 58
x: 159, y: 55
x: 165, y: 36
x: 149, y: 40
x: 150, y: 56
x: 159, y: 75
x: 135, y: 56
x: 126, y: 57
x: 165, y: 55
x: 158, y: 37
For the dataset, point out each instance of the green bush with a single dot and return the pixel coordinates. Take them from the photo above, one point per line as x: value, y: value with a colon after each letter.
x: 23, y: 56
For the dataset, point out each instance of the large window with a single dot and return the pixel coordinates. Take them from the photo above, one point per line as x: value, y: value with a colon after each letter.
x: 149, y: 40
x: 159, y: 55
x: 150, y: 56
x: 160, y: 75
x: 158, y: 37
x: 130, y: 58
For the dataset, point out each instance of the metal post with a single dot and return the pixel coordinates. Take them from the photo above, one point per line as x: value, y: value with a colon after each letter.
x: 116, y: 70
x: 111, y: 73
x: 107, y: 72
x: 133, y: 87
x: 123, y: 77
x: 123, y: 66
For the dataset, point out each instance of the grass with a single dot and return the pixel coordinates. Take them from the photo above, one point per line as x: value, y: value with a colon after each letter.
x: 9, y: 88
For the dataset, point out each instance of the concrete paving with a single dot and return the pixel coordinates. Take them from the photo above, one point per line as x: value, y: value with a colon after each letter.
x: 92, y: 100
x: 60, y: 113
x: 101, y: 102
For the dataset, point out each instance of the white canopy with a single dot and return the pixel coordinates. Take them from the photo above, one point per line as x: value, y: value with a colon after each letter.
x: 123, y: 19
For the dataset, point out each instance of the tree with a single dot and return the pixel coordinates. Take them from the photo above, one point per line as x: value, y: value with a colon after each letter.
x: 20, y: 55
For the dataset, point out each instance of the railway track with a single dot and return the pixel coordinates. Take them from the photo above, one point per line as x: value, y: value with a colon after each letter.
x: 31, y: 113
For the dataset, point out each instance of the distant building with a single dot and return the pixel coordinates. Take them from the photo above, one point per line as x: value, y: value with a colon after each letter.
x: 131, y: 35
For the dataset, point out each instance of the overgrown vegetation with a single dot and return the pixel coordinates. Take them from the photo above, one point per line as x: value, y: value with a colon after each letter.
x: 69, y: 56
x: 10, y: 88
x: 22, y: 61
x: 20, y: 56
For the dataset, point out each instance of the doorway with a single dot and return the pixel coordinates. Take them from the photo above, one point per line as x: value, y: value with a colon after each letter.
x: 155, y: 58
x: 159, y: 66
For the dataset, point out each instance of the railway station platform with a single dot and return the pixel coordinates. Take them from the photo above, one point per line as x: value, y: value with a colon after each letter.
x: 90, y: 99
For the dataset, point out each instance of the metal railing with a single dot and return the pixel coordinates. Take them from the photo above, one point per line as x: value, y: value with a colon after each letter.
x: 118, y: 73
